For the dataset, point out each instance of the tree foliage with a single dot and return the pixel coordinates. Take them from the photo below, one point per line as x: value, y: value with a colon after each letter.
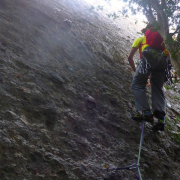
x: 165, y: 14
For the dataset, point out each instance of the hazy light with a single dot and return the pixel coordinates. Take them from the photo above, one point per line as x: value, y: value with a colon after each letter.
x: 114, y: 6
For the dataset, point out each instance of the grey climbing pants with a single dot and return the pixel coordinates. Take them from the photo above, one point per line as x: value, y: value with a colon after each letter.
x: 138, y: 87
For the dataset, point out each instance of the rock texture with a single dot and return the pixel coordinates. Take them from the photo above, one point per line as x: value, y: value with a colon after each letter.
x: 65, y: 98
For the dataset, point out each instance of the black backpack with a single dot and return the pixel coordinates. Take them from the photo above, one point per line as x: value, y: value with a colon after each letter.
x: 153, y: 60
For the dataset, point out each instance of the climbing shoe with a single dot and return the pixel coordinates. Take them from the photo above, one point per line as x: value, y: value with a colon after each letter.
x: 148, y: 116
x: 158, y: 126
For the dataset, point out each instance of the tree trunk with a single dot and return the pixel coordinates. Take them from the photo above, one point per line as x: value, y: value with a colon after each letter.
x: 173, y: 48
x: 176, y: 64
x: 162, y: 21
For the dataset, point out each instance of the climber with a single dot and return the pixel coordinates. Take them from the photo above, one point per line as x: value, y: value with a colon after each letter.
x: 152, y: 64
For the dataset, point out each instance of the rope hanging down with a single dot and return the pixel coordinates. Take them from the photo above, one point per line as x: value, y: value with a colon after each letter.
x: 133, y: 166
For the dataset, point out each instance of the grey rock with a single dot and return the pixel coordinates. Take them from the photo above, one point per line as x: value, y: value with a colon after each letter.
x: 65, y: 98
x: 56, y: 78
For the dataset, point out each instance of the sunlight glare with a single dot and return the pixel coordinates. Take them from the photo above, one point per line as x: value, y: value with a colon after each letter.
x: 112, y: 6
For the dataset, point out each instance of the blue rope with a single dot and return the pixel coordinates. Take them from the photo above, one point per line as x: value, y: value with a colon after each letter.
x: 140, y: 147
x: 134, y: 166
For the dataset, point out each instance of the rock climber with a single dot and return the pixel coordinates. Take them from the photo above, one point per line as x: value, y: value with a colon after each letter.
x: 148, y: 68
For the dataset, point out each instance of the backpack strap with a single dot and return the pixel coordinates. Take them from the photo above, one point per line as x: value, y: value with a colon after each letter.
x: 140, y: 47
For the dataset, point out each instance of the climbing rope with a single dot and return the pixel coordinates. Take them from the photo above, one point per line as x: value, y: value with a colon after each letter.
x: 140, y: 147
x: 136, y: 165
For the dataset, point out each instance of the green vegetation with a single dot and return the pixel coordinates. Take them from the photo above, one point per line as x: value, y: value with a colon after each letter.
x: 173, y: 134
x: 175, y: 97
x: 170, y: 88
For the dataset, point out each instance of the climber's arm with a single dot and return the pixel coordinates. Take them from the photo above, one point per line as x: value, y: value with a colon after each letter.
x: 130, y: 58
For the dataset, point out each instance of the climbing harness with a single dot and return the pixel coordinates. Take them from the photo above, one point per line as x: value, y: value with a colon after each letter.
x: 136, y: 165
x: 152, y: 60
x: 144, y: 65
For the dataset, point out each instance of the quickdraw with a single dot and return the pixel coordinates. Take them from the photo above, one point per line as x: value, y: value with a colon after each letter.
x: 168, y: 75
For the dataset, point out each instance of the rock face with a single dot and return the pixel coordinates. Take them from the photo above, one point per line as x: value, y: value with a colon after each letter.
x: 65, y: 98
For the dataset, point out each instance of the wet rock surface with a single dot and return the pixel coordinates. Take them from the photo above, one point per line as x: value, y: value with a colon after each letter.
x: 65, y: 98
